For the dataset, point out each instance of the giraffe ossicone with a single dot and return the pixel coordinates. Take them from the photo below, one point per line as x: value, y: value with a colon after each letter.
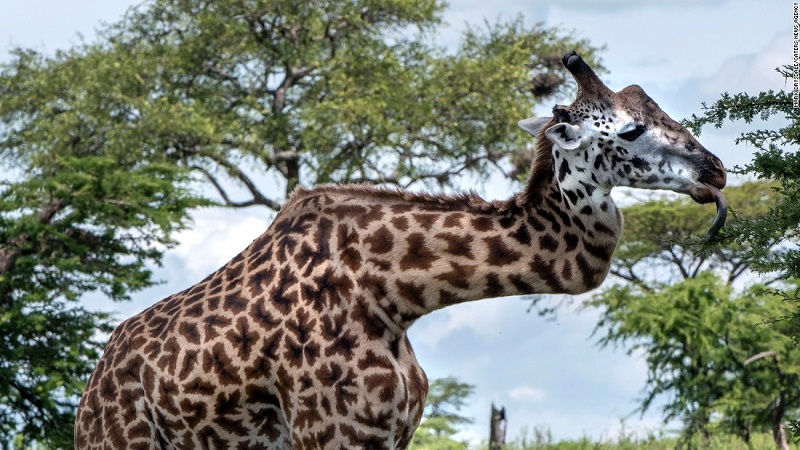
x: 300, y: 342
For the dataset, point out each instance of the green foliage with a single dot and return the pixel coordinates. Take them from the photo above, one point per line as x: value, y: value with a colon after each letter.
x: 697, y: 338
x: 436, y: 434
x: 333, y: 92
x: 84, y: 211
x: 658, y: 235
x: 776, y: 159
x: 682, y: 308
x: 446, y: 397
x: 628, y: 441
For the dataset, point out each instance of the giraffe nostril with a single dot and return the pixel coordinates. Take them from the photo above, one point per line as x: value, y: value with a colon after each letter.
x: 718, y: 164
x: 711, y: 170
x: 722, y: 173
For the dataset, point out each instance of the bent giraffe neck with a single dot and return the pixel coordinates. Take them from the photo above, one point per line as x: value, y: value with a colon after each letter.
x: 554, y: 245
x: 396, y: 256
x: 557, y: 236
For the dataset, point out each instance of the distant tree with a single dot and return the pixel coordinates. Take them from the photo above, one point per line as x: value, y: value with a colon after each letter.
x: 698, y: 338
x: 696, y: 328
x: 446, y: 397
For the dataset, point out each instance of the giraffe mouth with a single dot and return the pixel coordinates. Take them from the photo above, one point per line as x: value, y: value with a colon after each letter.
x: 706, y: 193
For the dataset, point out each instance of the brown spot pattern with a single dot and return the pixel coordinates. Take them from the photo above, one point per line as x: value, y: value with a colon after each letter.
x: 380, y: 242
x: 418, y: 255
x: 500, y: 254
x: 296, y: 340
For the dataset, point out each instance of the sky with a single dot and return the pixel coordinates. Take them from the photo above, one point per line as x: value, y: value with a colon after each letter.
x: 546, y: 372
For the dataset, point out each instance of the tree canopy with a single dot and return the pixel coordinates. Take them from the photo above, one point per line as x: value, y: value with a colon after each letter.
x: 776, y: 158
x: 710, y: 355
x: 82, y: 212
x: 311, y: 93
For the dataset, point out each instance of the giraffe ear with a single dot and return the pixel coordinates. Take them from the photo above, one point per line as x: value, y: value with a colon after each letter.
x: 534, y: 125
x: 565, y: 135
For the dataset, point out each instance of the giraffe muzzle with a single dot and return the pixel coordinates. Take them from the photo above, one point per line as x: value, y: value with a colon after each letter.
x: 712, y: 177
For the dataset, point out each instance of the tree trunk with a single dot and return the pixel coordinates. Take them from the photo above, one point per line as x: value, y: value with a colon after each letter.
x: 497, y: 428
x: 746, y: 435
x: 705, y: 437
x: 778, y: 430
x: 292, y: 175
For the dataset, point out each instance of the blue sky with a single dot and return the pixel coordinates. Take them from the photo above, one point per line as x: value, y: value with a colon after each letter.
x: 545, y: 372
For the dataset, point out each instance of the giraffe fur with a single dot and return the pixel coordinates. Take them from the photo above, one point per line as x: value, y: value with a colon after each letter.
x: 300, y: 341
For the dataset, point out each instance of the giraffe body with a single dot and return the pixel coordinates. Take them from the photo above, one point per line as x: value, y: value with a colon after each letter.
x: 300, y: 341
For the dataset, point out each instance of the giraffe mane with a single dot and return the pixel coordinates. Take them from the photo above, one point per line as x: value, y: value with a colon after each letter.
x: 541, y: 168
x: 469, y: 200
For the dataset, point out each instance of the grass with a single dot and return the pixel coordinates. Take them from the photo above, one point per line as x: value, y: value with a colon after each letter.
x: 540, y: 438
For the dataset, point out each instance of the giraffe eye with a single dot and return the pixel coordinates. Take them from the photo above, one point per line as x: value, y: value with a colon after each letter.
x: 633, y: 134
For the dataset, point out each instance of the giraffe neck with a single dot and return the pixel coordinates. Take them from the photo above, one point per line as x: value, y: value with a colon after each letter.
x: 395, y: 256
x: 561, y: 244
x: 557, y: 236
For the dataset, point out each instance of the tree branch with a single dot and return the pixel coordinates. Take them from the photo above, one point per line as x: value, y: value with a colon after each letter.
x: 218, y: 74
x: 9, y: 252
x: 33, y: 400
x: 678, y: 262
x: 699, y: 265
x: 631, y: 277
x: 757, y: 356
x: 233, y: 170
x: 258, y: 198
x: 291, y: 76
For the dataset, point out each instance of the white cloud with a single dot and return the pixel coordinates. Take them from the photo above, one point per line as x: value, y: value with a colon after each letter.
x: 216, y: 236
x: 617, y: 6
x: 527, y: 393
x: 752, y: 72
x: 668, y: 42
x: 437, y: 326
x: 485, y: 318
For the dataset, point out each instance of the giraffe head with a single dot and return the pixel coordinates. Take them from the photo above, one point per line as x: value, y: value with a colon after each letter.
x: 624, y: 139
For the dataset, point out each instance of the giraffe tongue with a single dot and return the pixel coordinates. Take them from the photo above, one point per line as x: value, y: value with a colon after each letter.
x: 722, y: 211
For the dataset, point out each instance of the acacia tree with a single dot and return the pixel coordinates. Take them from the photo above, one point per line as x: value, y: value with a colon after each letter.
x: 699, y: 330
x: 775, y: 158
x: 440, y: 422
x: 319, y: 92
x: 109, y: 144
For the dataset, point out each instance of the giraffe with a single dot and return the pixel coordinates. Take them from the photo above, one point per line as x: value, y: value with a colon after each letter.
x: 300, y: 341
